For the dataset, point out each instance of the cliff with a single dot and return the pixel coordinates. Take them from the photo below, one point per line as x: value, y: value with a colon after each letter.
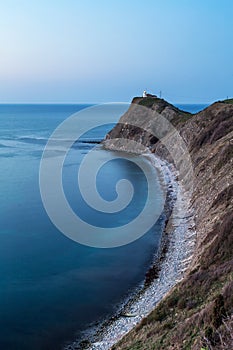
x: 198, y: 312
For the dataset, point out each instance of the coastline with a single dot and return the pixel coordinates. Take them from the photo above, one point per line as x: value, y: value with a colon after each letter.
x: 194, y: 285
x: 167, y: 268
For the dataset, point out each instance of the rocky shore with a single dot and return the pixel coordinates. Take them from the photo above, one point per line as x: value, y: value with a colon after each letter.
x: 187, y: 302
x: 180, y: 241
x: 169, y: 265
x: 197, y: 312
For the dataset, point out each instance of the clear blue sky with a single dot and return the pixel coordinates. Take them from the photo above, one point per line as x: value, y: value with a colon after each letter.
x: 101, y: 51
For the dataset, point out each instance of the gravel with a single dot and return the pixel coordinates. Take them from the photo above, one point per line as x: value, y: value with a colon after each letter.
x: 181, y: 238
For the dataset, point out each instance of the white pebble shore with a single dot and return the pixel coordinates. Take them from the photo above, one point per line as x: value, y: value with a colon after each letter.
x: 180, y: 250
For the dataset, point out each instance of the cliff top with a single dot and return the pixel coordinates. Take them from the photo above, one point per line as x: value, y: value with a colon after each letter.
x: 198, y: 312
x: 156, y: 103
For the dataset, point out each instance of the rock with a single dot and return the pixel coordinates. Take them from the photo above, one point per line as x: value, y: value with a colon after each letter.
x: 208, y: 137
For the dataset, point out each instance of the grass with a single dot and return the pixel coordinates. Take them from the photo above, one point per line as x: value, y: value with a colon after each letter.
x: 182, y: 118
x: 229, y: 100
x: 169, y: 320
x: 214, y: 129
x: 198, y: 312
x: 190, y: 315
x: 148, y: 101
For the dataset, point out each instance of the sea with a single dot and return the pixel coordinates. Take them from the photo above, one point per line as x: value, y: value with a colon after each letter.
x: 52, y: 288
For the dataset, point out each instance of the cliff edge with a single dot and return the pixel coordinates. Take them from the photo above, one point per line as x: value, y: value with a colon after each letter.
x: 198, y: 312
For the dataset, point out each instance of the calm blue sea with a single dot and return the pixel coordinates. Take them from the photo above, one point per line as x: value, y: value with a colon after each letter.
x: 192, y: 108
x: 52, y: 288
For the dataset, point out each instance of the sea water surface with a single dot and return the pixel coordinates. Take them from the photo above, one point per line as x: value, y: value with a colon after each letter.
x: 52, y: 288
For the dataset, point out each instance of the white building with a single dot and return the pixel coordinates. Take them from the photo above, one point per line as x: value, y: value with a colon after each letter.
x: 144, y: 93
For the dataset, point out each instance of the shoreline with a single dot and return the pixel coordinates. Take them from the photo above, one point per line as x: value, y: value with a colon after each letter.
x: 167, y: 268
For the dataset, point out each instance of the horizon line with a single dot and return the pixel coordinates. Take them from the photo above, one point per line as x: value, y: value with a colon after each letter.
x: 94, y: 103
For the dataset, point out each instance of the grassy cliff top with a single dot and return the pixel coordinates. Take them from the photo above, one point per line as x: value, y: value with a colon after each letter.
x: 198, y: 312
x: 229, y: 100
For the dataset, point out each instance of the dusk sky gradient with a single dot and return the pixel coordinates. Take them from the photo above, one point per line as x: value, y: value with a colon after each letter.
x: 109, y: 51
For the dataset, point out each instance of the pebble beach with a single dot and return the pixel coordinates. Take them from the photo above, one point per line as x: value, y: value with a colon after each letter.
x: 179, y: 237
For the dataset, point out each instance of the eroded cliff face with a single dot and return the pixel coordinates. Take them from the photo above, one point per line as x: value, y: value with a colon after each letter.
x: 141, y: 123
x: 198, y: 312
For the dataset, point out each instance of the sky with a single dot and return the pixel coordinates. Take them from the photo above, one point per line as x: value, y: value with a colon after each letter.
x: 72, y: 51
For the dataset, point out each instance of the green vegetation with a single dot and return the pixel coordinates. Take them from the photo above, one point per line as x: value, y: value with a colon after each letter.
x: 229, y: 100
x: 181, y: 118
x: 198, y: 312
x: 166, y: 324
x: 161, y: 104
x: 148, y: 101
x: 189, y: 315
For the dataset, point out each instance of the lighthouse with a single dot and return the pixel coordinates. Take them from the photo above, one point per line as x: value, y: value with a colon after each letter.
x: 144, y: 94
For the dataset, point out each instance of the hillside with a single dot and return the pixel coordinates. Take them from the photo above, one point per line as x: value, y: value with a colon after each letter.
x: 198, y: 312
